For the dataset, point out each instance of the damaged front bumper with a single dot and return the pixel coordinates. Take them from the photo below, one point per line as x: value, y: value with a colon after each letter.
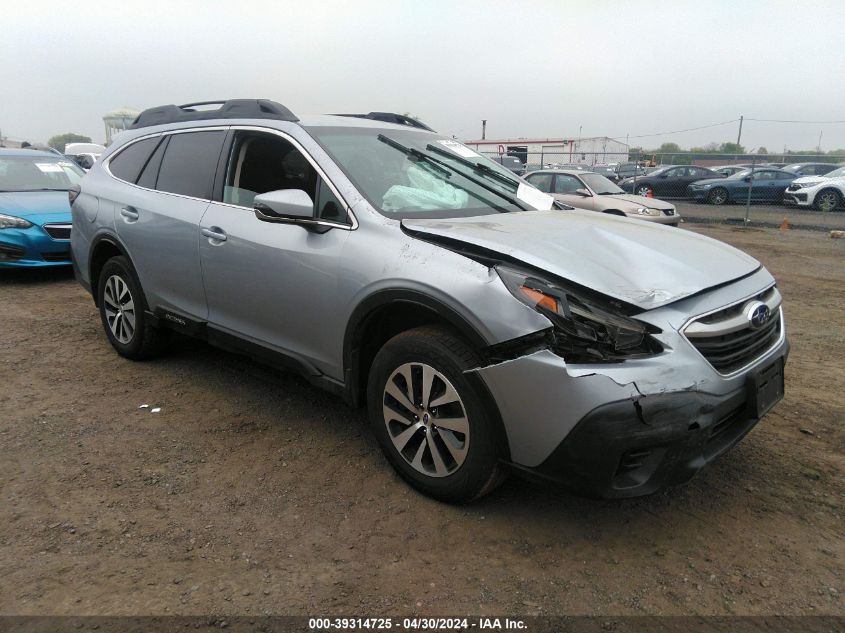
x: 629, y: 429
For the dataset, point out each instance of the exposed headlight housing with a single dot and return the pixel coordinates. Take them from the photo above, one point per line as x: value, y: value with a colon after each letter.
x: 647, y: 211
x: 585, y: 330
x: 11, y: 222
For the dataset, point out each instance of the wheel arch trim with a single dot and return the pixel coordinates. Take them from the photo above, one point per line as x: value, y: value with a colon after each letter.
x: 382, y: 299
x: 96, y: 244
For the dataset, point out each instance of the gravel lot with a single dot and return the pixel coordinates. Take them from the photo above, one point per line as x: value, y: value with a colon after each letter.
x: 252, y: 492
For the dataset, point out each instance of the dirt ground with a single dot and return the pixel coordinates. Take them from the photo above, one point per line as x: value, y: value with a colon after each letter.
x: 251, y: 492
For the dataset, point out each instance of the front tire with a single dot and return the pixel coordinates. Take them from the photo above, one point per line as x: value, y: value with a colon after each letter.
x: 122, y: 312
x: 827, y: 200
x: 432, y: 420
x: 717, y: 196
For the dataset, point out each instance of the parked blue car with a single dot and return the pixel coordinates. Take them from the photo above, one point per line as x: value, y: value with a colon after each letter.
x: 35, y: 216
x: 767, y: 185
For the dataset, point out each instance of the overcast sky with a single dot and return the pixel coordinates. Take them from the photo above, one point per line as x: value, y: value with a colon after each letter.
x: 531, y: 68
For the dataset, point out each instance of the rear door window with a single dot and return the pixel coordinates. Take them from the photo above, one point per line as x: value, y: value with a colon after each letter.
x: 128, y: 163
x: 189, y: 163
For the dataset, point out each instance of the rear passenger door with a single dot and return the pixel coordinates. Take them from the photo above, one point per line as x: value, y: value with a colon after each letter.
x: 268, y: 283
x: 157, y: 217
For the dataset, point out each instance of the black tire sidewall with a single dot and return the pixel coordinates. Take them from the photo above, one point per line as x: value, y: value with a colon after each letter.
x: 120, y: 266
x: 481, y: 461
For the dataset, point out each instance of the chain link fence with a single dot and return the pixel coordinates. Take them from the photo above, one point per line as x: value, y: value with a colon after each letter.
x: 764, y: 190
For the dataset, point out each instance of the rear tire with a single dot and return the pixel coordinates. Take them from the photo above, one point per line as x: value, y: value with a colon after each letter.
x: 122, y: 312
x: 827, y: 200
x: 432, y: 420
x: 717, y: 196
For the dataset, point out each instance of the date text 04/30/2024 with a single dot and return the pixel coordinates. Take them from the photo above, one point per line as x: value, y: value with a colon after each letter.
x: 415, y: 624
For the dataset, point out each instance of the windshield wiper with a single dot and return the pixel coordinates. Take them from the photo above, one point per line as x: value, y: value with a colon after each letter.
x: 445, y: 168
x: 40, y: 189
x: 481, y: 167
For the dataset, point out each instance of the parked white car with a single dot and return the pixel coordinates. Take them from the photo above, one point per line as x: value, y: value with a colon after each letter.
x: 824, y: 193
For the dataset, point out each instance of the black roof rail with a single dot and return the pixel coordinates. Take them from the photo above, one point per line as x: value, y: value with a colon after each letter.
x: 391, y: 117
x: 231, y: 109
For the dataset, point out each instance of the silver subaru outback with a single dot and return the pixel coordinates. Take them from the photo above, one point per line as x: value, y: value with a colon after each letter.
x: 485, y: 327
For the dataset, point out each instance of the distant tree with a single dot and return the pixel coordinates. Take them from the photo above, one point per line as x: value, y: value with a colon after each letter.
x: 731, y: 148
x: 762, y: 150
x: 60, y: 140
x: 669, y: 148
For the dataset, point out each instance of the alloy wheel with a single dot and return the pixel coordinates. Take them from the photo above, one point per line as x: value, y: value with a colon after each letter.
x: 120, y: 309
x: 828, y: 201
x: 643, y: 191
x: 718, y: 196
x: 426, y: 419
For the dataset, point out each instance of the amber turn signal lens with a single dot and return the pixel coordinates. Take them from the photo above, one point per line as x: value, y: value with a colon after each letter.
x: 542, y: 300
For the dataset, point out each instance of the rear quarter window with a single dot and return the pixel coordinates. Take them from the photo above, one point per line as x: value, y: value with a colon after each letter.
x: 129, y: 162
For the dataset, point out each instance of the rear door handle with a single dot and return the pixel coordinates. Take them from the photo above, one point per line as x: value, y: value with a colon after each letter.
x: 214, y: 233
x: 129, y: 214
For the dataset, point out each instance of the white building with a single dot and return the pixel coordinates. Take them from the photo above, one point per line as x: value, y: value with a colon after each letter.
x: 118, y: 120
x: 598, y: 150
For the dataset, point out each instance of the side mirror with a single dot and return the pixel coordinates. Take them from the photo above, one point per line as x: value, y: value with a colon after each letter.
x: 662, y: 175
x: 746, y: 179
x: 285, y: 205
x: 583, y: 192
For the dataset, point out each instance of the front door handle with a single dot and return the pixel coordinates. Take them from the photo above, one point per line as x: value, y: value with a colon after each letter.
x: 214, y: 233
x: 129, y: 214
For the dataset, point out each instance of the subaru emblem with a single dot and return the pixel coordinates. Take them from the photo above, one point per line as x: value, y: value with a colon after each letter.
x: 758, y: 314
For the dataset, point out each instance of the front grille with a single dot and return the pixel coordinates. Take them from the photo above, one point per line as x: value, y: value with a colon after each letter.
x: 729, y: 352
x: 56, y: 256
x: 9, y: 252
x: 726, y: 337
x: 793, y: 187
x: 668, y: 212
x: 58, y: 231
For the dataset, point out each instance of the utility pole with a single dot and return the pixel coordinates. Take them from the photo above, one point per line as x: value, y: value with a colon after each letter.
x: 739, y: 135
x: 819, y: 146
x: 483, y: 129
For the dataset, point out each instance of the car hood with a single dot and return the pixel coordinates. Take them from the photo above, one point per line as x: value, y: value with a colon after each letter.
x: 637, y: 262
x: 819, y: 179
x: 37, y: 207
x: 639, y: 201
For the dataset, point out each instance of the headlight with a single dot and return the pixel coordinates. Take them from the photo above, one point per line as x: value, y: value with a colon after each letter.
x: 584, y: 331
x: 804, y: 185
x: 11, y: 222
x: 647, y: 211
x: 694, y: 186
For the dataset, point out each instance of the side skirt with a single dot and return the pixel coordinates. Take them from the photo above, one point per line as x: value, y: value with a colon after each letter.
x: 255, y: 351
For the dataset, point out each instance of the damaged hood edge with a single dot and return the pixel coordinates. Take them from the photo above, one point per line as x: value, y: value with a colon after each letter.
x: 641, y: 264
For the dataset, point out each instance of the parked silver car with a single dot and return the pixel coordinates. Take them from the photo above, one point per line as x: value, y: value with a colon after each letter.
x: 483, y: 328
x: 594, y: 192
